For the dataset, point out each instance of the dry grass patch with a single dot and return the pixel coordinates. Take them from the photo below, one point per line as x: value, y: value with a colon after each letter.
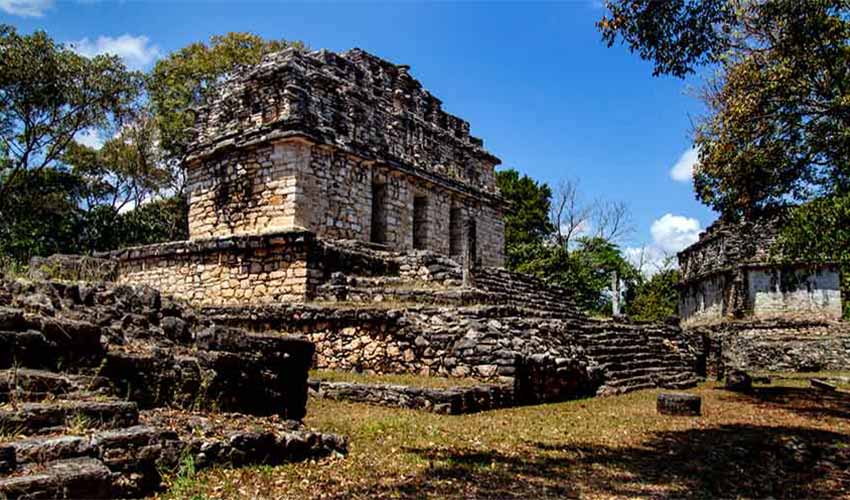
x: 784, y: 442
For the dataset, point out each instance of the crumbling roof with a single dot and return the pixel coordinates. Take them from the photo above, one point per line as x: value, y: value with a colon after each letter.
x: 353, y: 100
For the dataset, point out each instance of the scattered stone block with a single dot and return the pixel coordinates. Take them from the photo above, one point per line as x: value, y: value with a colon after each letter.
x: 738, y: 381
x: 679, y: 404
x: 823, y: 385
x: 72, y: 478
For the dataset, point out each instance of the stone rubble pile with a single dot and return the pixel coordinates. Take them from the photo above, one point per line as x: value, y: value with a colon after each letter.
x: 85, y: 370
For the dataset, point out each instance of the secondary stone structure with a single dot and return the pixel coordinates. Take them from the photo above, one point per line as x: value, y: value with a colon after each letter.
x: 754, y: 309
x: 734, y: 272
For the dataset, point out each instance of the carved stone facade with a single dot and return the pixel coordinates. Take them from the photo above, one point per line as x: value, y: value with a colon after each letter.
x: 731, y: 273
x: 347, y: 146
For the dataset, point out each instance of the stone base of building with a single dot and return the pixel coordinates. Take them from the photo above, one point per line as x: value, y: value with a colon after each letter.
x: 369, y: 309
x: 780, y: 345
x: 268, y: 268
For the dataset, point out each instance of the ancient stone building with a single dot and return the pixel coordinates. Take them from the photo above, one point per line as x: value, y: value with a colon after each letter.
x: 307, y: 148
x: 731, y: 272
x: 348, y: 146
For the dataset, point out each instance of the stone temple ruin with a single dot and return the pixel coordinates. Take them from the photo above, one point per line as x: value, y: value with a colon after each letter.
x: 340, y: 220
x: 731, y: 273
x: 331, y: 198
x: 757, y: 311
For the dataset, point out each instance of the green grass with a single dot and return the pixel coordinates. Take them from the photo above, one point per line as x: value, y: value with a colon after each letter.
x: 801, y: 379
x: 781, y: 441
x: 399, y: 379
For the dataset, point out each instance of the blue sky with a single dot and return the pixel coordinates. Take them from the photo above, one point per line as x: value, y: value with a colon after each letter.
x: 534, y: 80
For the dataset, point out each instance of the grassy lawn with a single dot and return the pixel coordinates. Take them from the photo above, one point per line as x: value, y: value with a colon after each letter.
x: 784, y: 441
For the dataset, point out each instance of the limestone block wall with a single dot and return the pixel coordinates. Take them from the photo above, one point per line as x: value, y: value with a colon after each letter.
x: 353, y: 100
x: 230, y: 271
x: 247, y: 191
x: 792, y: 291
x: 776, y: 345
x: 295, y: 184
x: 704, y: 300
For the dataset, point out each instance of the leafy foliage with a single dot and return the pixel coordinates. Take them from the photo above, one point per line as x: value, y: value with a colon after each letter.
x: 527, y: 222
x: 676, y: 35
x: 49, y: 94
x: 41, y: 213
x: 657, y: 298
x: 534, y: 245
x: 820, y: 231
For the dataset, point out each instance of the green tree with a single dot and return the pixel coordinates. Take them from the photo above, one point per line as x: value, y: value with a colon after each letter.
x: 184, y: 79
x: 49, y: 94
x: 656, y: 298
x: 41, y: 214
x: 527, y: 223
x: 778, y: 127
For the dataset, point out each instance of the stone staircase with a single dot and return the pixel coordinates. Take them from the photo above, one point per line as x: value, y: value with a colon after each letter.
x: 83, y: 377
x: 522, y: 290
x: 362, y: 273
x: 632, y: 358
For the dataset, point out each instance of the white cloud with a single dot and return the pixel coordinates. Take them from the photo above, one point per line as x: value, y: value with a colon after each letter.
x: 649, y: 259
x: 25, y: 8
x: 672, y: 233
x: 136, y: 51
x: 683, y: 170
x: 90, y: 138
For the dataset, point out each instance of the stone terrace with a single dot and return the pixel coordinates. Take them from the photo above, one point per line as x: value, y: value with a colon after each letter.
x: 86, y: 371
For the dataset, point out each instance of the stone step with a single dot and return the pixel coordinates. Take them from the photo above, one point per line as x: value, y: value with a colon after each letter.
x: 70, y: 478
x: 36, y: 418
x: 613, y: 366
x: 625, y: 373
x: 37, y: 385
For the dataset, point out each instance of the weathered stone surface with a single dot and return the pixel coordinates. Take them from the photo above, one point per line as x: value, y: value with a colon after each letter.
x: 679, y: 404
x: 348, y: 146
x: 734, y: 271
x: 738, y: 381
x: 35, y: 417
x: 823, y: 385
x: 450, y: 401
x: 73, y: 348
x: 72, y: 478
x: 776, y: 345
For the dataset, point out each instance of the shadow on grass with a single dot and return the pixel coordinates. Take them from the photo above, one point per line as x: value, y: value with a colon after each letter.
x: 723, y: 461
x: 808, y: 402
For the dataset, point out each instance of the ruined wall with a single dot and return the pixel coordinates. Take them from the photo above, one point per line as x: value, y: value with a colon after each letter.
x: 773, y: 291
x: 704, y: 300
x: 776, y: 345
x: 544, y: 359
x: 301, y: 141
x: 230, y: 271
x: 734, y: 271
x: 294, y: 184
